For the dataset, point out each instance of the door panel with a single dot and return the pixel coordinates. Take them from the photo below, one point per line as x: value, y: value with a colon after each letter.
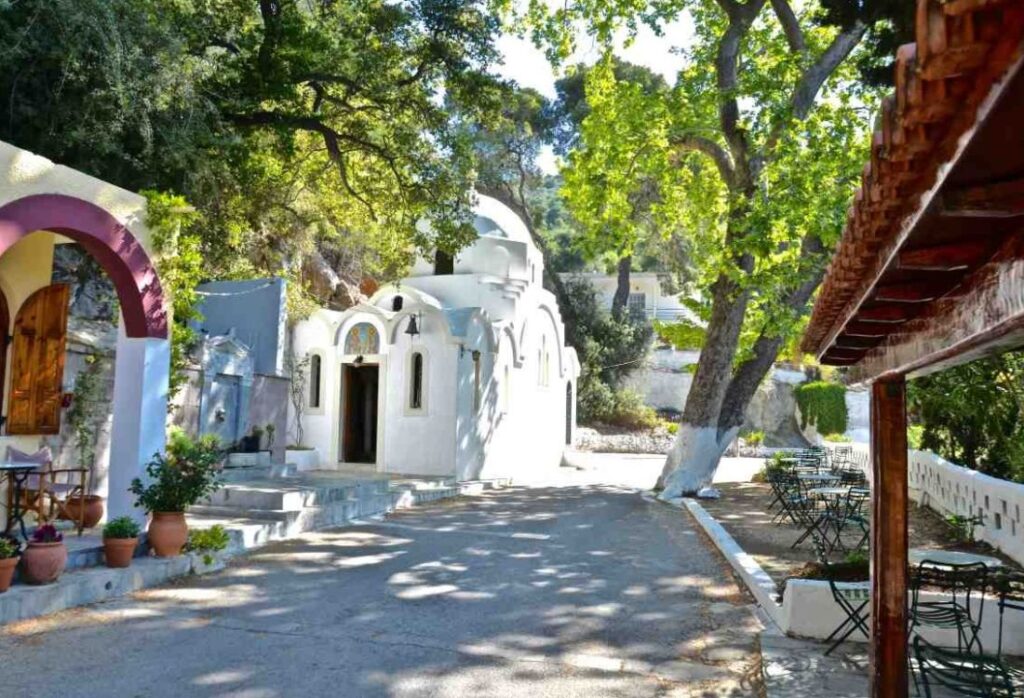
x: 37, y: 362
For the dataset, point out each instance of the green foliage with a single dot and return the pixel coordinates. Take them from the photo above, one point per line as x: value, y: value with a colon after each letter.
x: 838, y: 438
x: 207, y: 541
x: 682, y: 334
x: 298, y: 131
x: 9, y: 548
x: 963, y: 526
x: 672, y: 428
x: 823, y: 406
x: 121, y: 527
x: 608, y: 350
x: 915, y: 433
x: 753, y: 438
x: 88, y: 403
x: 186, y: 474
x: 973, y: 414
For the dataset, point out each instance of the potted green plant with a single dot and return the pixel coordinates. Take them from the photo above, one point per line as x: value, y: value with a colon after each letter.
x: 186, y: 474
x: 204, y: 544
x: 120, y: 536
x: 10, y: 553
x: 45, y: 557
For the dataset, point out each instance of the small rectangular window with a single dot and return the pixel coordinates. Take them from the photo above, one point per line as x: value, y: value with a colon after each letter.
x: 314, y: 381
x: 416, y: 390
x: 637, y: 304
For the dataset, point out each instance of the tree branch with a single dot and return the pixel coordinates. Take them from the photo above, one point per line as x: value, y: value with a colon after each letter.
x: 790, y: 25
x: 712, y: 150
x: 727, y: 73
x: 814, y: 77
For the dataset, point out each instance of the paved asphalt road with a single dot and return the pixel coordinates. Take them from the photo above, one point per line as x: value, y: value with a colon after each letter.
x: 565, y: 590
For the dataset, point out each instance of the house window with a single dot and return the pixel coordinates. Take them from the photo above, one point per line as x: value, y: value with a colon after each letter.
x: 476, y: 380
x: 37, y: 362
x: 314, y: 380
x: 396, y: 303
x: 416, y: 387
x: 637, y: 304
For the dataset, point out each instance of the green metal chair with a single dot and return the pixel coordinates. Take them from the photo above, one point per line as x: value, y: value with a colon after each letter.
x: 975, y: 675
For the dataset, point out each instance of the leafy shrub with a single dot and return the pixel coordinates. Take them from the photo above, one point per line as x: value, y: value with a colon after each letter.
x: 626, y: 409
x: 182, y: 477
x: 9, y: 548
x: 754, y: 438
x: 47, y: 533
x: 208, y: 541
x: 121, y: 527
x: 672, y: 428
x: 963, y: 526
x: 837, y: 438
x: 915, y: 433
x: 608, y: 350
x: 823, y: 406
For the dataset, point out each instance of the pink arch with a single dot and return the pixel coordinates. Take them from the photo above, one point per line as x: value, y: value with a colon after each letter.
x: 113, y: 246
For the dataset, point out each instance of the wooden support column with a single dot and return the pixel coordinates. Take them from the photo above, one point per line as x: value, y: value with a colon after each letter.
x: 888, y: 672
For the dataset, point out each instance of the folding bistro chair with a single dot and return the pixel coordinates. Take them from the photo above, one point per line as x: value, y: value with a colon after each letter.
x: 968, y: 674
x: 962, y: 585
x: 853, y: 598
x: 46, y: 492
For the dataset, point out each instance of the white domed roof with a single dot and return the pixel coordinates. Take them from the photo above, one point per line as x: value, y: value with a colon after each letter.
x: 495, y: 219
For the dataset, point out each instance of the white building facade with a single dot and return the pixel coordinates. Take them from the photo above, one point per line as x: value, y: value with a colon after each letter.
x: 458, y: 370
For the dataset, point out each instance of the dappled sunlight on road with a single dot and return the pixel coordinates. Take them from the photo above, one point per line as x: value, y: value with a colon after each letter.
x: 585, y: 590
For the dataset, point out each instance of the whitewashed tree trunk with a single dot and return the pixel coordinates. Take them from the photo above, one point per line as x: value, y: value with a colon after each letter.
x: 693, y: 460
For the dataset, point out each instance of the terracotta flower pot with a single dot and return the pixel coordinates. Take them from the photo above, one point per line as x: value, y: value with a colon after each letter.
x: 42, y: 563
x: 93, y: 505
x: 118, y: 552
x: 7, y: 566
x: 168, y: 533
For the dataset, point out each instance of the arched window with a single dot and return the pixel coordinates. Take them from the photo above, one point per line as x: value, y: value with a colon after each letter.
x: 416, y: 382
x: 315, y: 369
x: 396, y: 303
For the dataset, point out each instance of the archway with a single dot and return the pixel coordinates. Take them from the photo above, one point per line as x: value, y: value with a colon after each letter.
x: 107, y: 240
x: 142, y: 361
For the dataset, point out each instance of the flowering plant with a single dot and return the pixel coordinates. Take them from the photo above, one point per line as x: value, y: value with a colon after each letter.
x: 47, y: 533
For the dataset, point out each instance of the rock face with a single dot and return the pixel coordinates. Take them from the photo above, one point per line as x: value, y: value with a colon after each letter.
x: 773, y: 410
x: 92, y: 293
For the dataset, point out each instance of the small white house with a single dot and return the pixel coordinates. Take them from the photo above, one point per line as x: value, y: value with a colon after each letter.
x: 459, y: 369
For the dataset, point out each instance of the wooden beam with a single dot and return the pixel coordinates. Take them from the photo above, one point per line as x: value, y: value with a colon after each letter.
x: 884, y: 314
x: 846, y: 341
x: 910, y: 292
x: 954, y: 257
x: 867, y: 329
x: 996, y: 200
x: 889, y: 496
x: 841, y: 354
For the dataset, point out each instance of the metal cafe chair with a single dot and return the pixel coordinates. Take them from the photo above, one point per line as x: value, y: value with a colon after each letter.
x: 851, y: 597
x: 963, y: 584
x: 966, y: 674
x: 849, y: 513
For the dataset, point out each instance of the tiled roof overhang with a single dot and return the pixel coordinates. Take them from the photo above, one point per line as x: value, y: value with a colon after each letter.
x: 944, y: 187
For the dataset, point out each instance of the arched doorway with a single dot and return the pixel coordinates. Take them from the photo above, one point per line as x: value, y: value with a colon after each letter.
x: 143, y: 351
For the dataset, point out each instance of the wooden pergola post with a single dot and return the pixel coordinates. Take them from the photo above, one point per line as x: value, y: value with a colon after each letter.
x: 888, y: 673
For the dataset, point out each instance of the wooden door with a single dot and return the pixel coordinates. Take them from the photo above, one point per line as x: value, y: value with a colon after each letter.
x: 37, y: 362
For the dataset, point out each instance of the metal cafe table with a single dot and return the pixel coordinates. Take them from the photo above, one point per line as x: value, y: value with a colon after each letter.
x: 17, y: 474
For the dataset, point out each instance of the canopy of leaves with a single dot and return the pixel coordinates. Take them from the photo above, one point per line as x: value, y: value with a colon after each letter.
x: 289, y: 125
x: 655, y: 158
x: 823, y: 406
x: 973, y: 415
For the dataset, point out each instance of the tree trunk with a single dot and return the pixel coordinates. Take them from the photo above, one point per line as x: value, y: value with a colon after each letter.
x: 708, y: 427
x: 621, y: 297
x: 700, y: 443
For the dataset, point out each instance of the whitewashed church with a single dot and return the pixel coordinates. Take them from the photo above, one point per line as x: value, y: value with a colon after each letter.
x: 459, y: 369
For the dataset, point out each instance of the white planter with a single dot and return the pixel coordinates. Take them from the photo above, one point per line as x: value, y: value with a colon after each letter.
x: 200, y: 566
x: 307, y: 459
